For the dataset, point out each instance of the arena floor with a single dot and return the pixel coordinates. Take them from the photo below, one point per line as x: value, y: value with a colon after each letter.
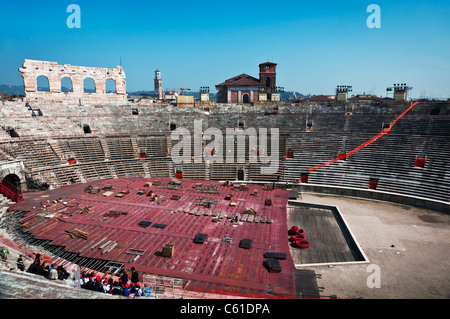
x: 88, y: 223
x: 417, y: 267
x: 407, y: 248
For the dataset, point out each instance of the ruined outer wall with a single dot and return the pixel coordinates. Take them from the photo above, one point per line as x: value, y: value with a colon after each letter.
x: 54, y: 72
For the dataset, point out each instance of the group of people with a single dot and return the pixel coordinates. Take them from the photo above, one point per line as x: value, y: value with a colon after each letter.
x: 122, y: 287
x: 41, y: 268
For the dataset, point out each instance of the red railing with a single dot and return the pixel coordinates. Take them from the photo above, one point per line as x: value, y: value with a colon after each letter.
x: 10, y: 191
x: 373, y: 139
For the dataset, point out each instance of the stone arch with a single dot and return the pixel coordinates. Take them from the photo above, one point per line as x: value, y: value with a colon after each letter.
x: 77, y: 74
x: 42, y: 84
x: 66, y: 84
x: 13, y: 168
x: 110, y: 86
x: 12, y: 179
x: 89, y: 85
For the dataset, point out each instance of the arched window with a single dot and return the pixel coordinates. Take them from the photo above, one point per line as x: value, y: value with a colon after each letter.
x: 42, y: 84
x: 110, y: 86
x: 66, y: 85
x: 245, y: 98
x: 89, y: 85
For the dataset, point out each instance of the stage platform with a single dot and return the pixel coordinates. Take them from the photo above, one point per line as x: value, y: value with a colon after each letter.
x: 331, y: 240
x: 131, y: 230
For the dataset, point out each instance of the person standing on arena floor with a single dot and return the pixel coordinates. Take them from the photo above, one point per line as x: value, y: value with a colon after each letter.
x: 134, y: 275
x: 124, y: 278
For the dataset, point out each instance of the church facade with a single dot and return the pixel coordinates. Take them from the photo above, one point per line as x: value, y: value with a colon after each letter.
x: 243, y: 88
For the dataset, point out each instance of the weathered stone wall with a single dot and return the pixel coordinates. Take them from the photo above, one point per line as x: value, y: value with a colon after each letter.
x: 16, y: 168
x: 32, y: 69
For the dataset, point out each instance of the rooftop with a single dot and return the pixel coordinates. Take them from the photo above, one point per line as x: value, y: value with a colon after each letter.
x: 241, y: 80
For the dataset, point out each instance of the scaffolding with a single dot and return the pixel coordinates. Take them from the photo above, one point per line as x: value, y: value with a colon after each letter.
x: 162, y: 287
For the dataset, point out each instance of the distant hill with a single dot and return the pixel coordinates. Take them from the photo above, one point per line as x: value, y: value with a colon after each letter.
x: 12, y: 89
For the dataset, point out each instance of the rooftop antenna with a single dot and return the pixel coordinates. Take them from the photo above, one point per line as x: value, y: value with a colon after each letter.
x: 121, y: 61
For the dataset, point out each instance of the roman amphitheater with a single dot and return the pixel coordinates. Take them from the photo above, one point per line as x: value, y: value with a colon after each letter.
x: 367, y: 182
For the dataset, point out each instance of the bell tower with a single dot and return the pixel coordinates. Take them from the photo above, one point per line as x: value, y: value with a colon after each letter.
x: 158, y: 86
x: 268, y: 76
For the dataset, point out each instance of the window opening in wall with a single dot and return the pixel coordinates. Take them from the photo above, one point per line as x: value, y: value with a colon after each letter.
x: 86, y: 129
x: 11, y: 131
x: 66, y: 85
x: 110, y: 86
x: 89, y: 85
x: 36, y: 112
x: 435, y: 111
x: 42, y: 84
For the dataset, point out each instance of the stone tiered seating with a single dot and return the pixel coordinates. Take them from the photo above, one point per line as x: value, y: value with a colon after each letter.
x: 120, y: 148
x: 112, y: 148
x: 440, y: 127
x: 129, y: 168
x: 390, y: 158
x: 192, y: 170
x: 223, y: 171
x: 35, y: 154
x: 153, y: 146
x: 83, y: 150
x: 159, y: 166
x: 310, y: 149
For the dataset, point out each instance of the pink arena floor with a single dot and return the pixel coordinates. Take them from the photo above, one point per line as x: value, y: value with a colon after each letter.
x: 215, y: 266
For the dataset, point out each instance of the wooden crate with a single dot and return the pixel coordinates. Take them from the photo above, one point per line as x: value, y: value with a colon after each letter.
x: 168, y: 250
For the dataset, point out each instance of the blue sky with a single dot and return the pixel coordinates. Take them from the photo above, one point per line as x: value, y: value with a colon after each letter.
x: 317, y: 44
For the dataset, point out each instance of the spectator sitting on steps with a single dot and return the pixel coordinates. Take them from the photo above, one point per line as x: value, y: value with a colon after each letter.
x: 53, y: 273
x: 20, y: 263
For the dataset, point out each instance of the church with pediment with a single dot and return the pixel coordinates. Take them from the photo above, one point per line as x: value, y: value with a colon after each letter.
x: 246, y: 89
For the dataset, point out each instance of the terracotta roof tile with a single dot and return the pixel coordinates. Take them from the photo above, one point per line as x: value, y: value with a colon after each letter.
x: 241, y: 80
